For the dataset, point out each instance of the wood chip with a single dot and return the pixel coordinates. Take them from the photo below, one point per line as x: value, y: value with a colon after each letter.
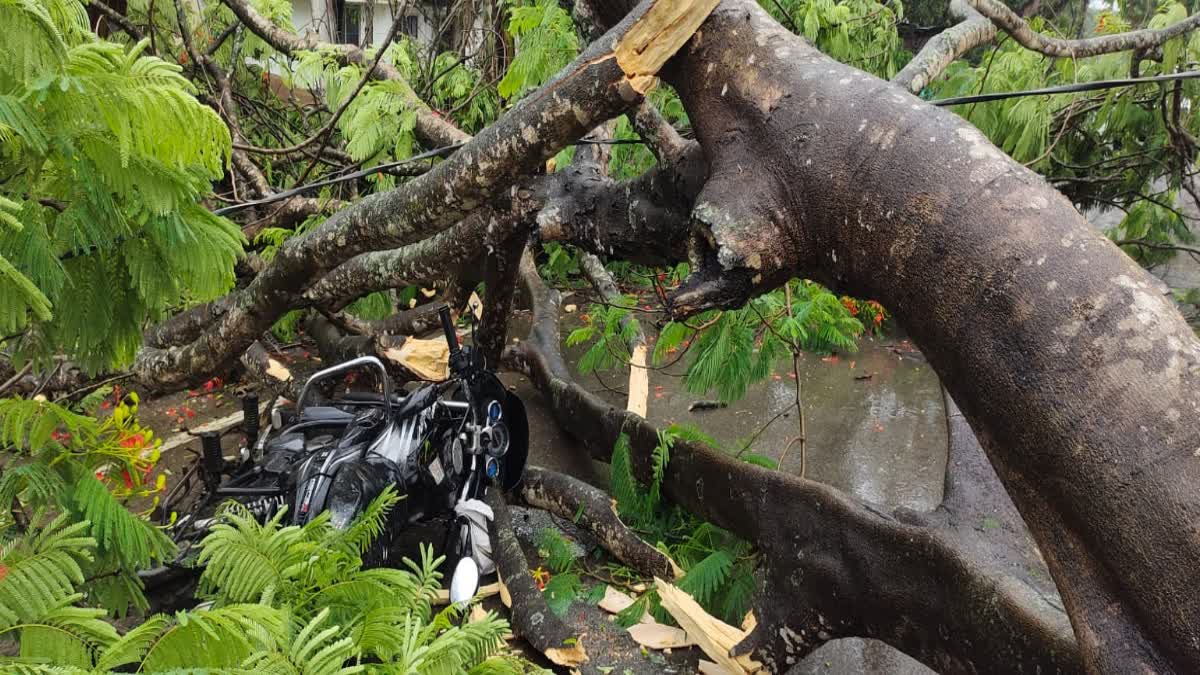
x: 427, y: 359
x: 443, y: 595
x: 657, y: 35
x: 639, y: 382
x: 505, y: 596
x: 714, y: 637
x: 750, y: 622
x: 278, y: 371
x: 659, y: 636
x: 568, y: 656
x: 478, y: 613
x: 614, y: 601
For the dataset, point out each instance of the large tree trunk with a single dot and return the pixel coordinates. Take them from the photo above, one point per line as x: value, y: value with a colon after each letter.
x: 1075, y: 370
x: 960, y: 597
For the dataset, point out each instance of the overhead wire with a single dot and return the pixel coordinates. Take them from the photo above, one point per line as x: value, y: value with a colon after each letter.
x: 394, y: 167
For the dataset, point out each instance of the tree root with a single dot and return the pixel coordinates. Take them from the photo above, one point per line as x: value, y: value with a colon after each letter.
x: 594, y: 510
x: 531, y: 617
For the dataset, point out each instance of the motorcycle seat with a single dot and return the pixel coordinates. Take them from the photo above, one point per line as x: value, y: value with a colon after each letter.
x: 326, y: 414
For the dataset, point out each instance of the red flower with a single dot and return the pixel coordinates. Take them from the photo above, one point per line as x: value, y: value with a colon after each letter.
x: 189, y: 412
x: 134, y: 441
x: 128, y: 479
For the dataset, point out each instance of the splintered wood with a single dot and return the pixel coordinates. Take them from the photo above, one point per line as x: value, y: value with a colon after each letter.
x: 714, y: 637
x: 658, y: 636
x: 443, y: 595
x: 639, y: 381
x: 427, y: 359
x: 656, y: 36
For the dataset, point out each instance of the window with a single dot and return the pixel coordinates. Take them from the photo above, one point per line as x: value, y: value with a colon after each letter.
x: 409, y: 27
x: 350, y: 23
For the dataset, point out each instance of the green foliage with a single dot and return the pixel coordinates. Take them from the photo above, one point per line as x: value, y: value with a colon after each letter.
x: 309, y: 608
x: 609, y: 328
x: 106, y: 155
x: 462, y: 90
x: 741, y: 346
x: 561, y: 263
x: 861, y: 33
x: 561, y: 591
x: 546, y: 42
x: 559, y: 553
x: 1113, y: 149
x: 85, y: 470
x: 718, y: 567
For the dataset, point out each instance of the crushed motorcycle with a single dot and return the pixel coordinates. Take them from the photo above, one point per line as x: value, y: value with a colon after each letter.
x: 442, y: 446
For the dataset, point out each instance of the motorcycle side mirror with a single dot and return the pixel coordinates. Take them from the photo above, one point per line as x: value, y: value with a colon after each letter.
x: 464, y: 584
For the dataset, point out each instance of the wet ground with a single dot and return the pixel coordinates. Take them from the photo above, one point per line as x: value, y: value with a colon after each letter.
x: 875, y: 428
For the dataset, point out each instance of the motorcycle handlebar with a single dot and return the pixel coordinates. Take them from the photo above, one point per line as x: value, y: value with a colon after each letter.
x: 448, y: 329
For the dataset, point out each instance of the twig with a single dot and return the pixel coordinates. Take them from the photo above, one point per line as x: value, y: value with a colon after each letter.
x: 16, y: 378
x: 323, y: 134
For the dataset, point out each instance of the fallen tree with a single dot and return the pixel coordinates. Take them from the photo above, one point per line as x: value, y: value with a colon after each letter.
x: 1073, y: 369
x: 790, y: 138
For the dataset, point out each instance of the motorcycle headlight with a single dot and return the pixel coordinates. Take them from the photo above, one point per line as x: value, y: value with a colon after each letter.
x: 345, y: 502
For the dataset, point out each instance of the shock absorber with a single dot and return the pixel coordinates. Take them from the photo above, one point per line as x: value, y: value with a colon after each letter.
x: 250, y: 419
x: 212, y: 461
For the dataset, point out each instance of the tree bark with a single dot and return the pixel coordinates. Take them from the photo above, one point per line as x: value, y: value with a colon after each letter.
x: 593, y: 510
x: 1076, y: 372
x: 940, y: 51
x: 940, y: 586
x: 592, y: 89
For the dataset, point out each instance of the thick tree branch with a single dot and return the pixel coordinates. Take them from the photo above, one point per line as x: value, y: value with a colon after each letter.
x: 593, y: 510
x: 847, y: 194
x: 531, y: 618
x: 1141, y: 40
x: 500, y: 283
x: 834, y: 566
x: 416, y: 321
x: 429, y: 261
x: 598, y: 85
x: 944, y: 48
x: 644, y: 220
